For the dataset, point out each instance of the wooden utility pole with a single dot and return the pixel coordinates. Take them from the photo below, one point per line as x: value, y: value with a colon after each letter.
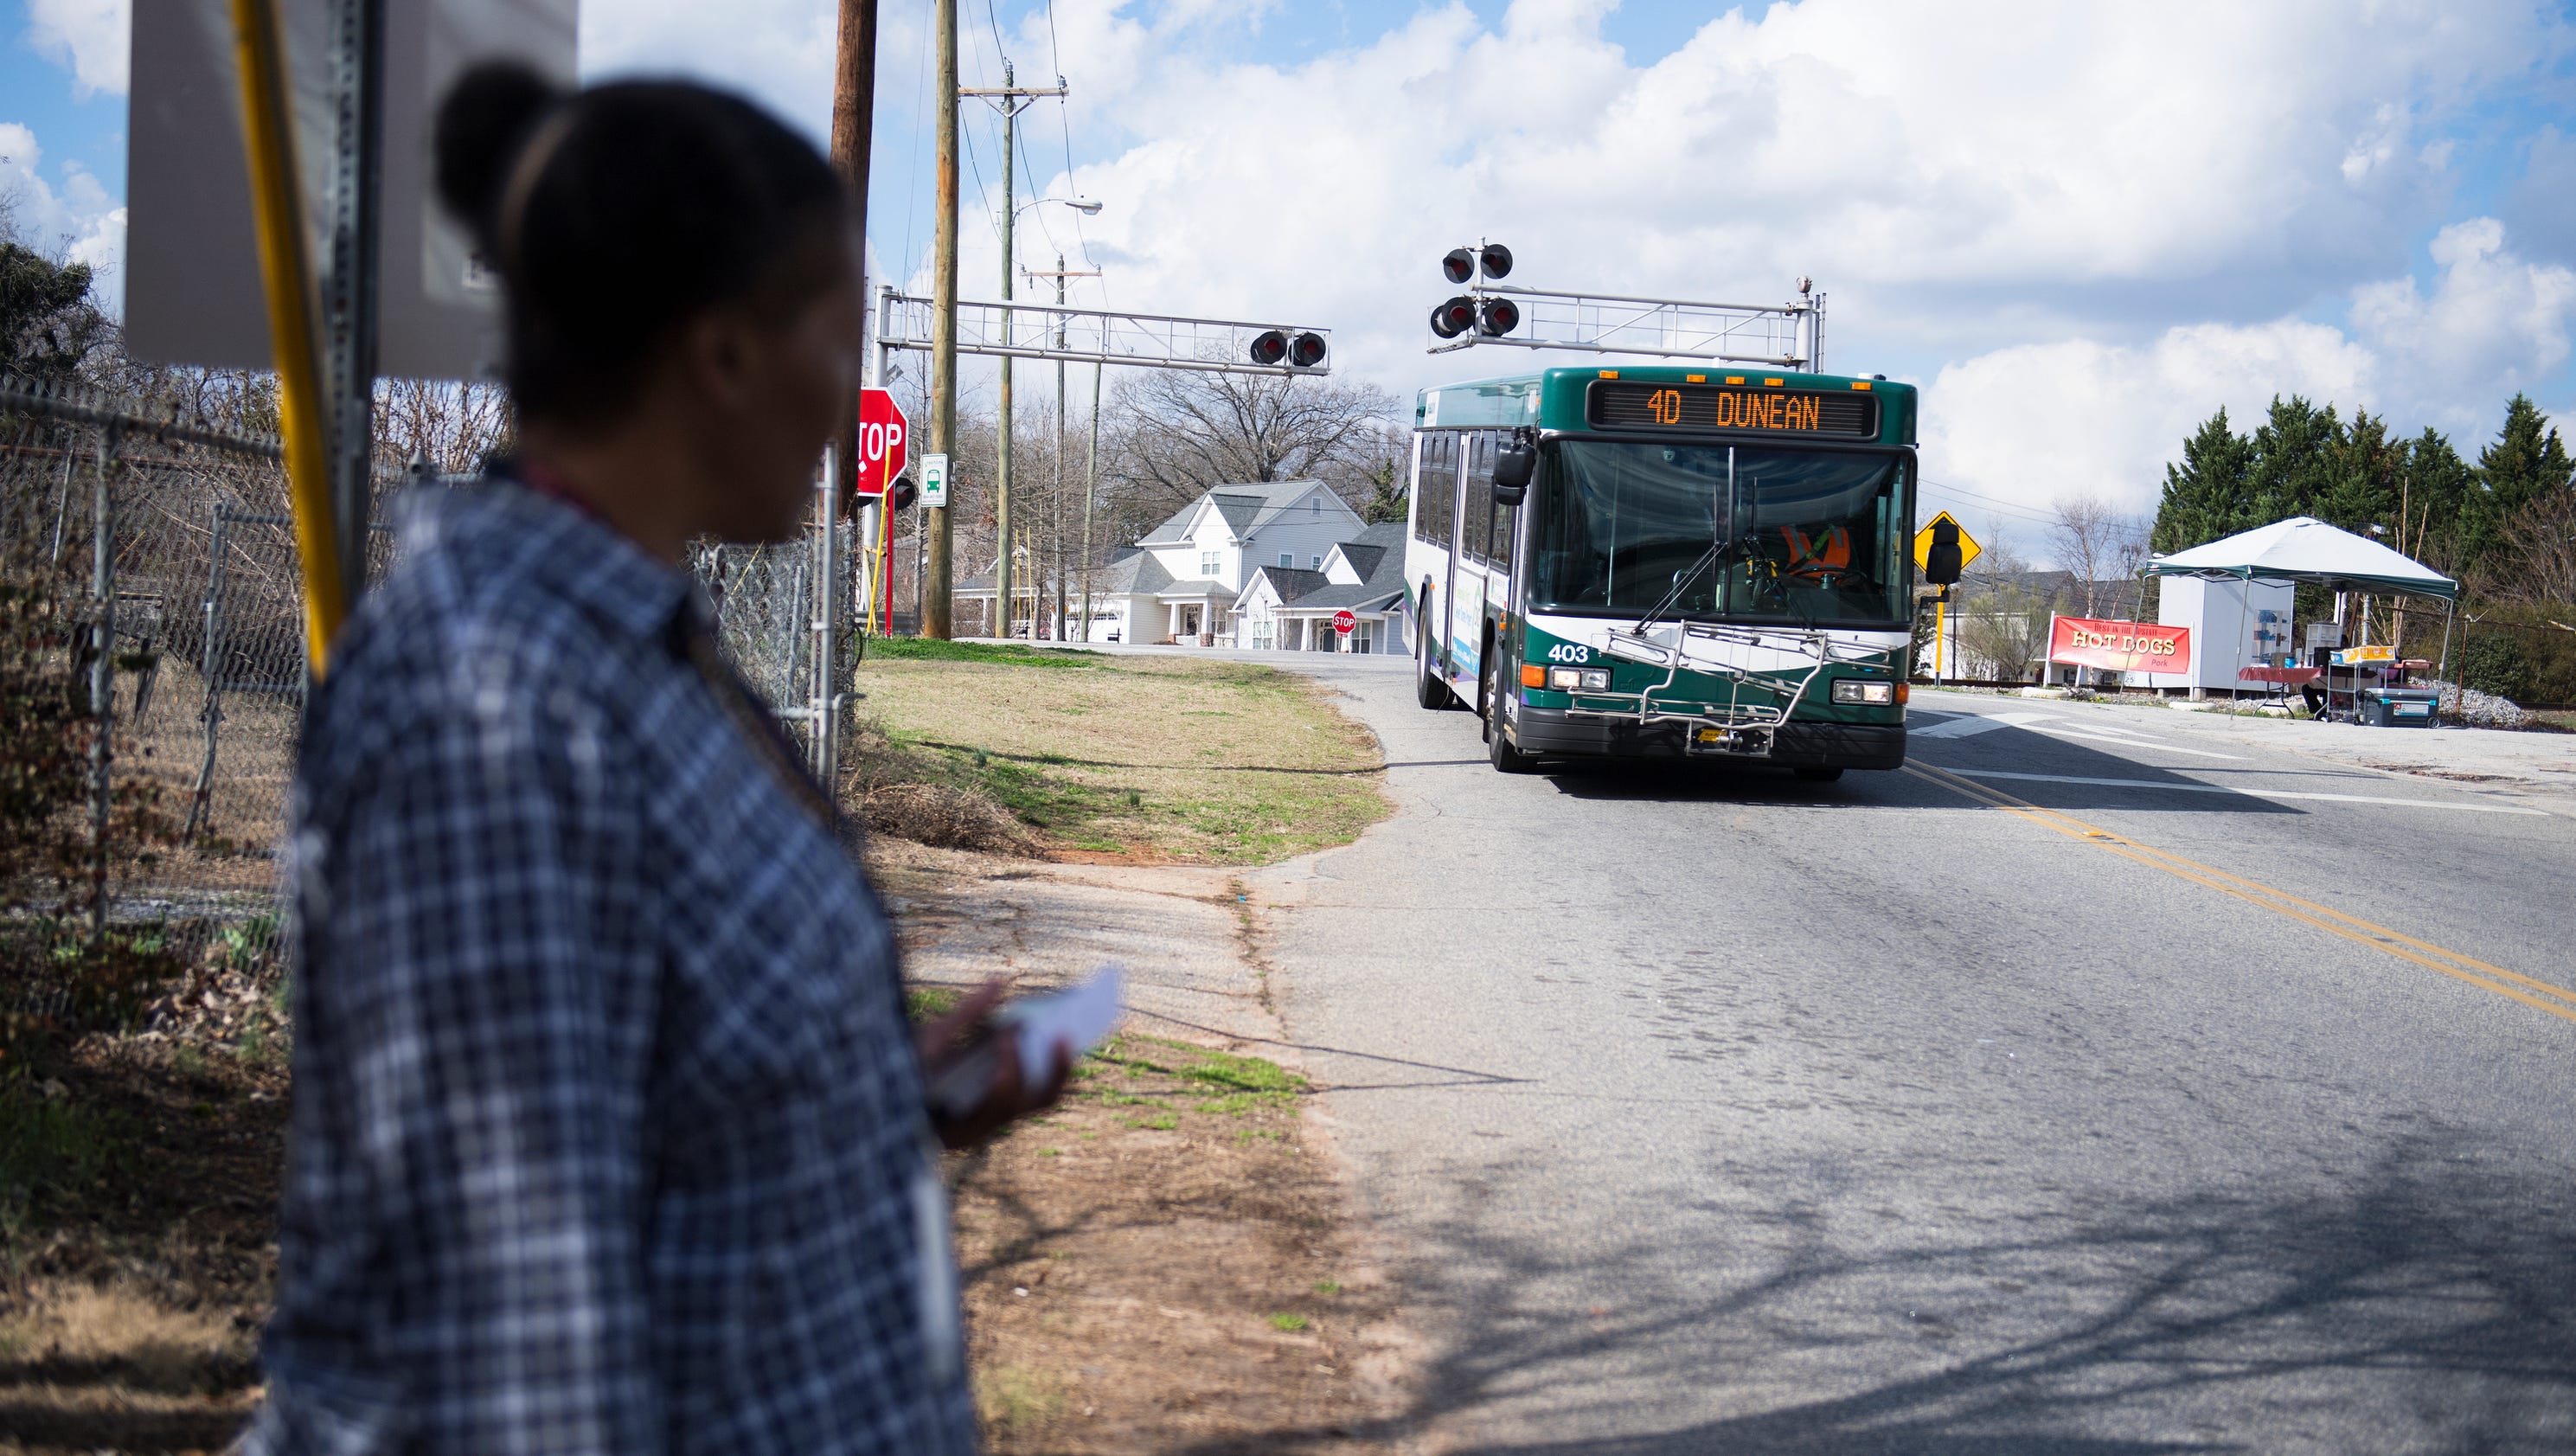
x: 943, y: 329
x: 1012, y: 98
x: 854, y: 90
x: 1060, y: 274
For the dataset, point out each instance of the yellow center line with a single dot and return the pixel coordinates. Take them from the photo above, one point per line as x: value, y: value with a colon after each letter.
x: 2280, y: 902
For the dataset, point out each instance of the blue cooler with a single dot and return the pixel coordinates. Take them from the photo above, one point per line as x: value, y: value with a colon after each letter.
x: 2400, y: 707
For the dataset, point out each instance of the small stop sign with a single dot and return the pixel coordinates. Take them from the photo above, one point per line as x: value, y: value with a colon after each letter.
x: 1344, y: 622
x: 885, y: 438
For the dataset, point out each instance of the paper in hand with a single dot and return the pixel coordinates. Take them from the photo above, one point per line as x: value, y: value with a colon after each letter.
x: 1075, y: 1018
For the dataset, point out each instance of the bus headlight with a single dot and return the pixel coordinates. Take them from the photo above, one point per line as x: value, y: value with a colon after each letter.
x: 1579, y: 679
x: 1864, y: 693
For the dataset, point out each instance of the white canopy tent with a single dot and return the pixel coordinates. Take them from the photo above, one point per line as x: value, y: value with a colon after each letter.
x: 2303, y: 548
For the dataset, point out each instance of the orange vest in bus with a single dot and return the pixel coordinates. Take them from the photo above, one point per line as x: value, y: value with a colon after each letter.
x: 1825, y: 555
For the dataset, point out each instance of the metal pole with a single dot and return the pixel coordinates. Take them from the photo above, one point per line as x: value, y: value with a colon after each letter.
x: 2443, y: 673
x: 102, y: 684
x: 350, y: 304
x: 286, y: 272
x: 826, y: 719
x: 1090, y: 491
x: 1002, y: 603
x: 936, y: 529
x: 1058, y: 508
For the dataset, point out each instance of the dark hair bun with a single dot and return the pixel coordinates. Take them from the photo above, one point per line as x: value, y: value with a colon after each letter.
x: 482, y: 124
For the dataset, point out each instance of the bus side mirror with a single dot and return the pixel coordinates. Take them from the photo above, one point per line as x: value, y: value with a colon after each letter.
x: 1512, y: 471
x: 1941, y: 559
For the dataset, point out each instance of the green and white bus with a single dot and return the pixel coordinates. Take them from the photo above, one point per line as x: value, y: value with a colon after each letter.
x: 1667, y: 562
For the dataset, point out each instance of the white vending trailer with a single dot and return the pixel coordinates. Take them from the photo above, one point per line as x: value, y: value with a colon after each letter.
x: 2234, y: 624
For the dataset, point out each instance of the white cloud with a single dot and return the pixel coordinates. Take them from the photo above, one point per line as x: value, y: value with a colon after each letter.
x: 2033, y: 423
x: 2030, y: 423
x: 2492, y: 325
x: 79, y: 222
x: 89, y: 36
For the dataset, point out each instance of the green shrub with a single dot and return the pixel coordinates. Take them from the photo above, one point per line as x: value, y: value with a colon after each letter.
x: 2494, y: 663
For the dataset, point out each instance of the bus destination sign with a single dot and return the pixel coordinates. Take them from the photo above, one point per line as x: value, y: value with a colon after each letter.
x: 1619, y: 404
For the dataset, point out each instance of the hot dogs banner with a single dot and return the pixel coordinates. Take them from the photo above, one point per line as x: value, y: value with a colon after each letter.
x: 2119, y: 646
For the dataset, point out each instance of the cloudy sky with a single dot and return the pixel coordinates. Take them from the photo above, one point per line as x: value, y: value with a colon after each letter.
x: 2080, y: 227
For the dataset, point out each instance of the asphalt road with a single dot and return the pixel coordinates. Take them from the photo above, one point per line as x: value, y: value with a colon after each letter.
x: 1718, y: 1112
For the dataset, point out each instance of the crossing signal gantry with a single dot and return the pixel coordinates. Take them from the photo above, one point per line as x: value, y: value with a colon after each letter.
x: 1490, y: 311
x: 1100, y: 336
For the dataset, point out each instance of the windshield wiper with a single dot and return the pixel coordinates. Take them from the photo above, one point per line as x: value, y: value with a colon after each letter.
x: 1717, y: 551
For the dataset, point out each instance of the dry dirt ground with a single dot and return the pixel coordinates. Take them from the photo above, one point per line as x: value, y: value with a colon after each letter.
x: 1167, y: 1263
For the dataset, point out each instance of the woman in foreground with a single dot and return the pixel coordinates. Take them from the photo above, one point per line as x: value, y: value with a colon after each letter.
x: 608, y: 1130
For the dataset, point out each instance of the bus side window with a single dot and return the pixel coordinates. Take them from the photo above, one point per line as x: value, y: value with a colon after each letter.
x: 1435, y: 488
x: 1476, y: 515
x: 1506, y: 518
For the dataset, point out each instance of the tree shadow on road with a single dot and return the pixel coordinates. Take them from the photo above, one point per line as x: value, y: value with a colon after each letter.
x: 2420, y: 1303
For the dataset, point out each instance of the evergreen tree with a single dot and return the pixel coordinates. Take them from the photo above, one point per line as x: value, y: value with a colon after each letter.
x: 2205, y: 495
x: 48, y: 326
x: 2293, y: 460
x: 2434, y: 487
x: 2526, y: 462
x: 2360, y: 484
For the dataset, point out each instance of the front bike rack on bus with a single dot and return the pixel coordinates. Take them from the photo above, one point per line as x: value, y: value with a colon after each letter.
x: 1742, y: 729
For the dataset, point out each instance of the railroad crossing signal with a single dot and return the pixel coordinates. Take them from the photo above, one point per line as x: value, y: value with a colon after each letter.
x: 1969, y: 550
x: 884, y: 442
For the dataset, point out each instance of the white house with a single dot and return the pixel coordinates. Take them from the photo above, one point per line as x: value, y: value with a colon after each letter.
x: 1291, y: 608
x: 1182, y: 581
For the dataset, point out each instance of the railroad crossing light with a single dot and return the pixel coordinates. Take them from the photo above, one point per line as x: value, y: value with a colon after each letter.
x: 1498, y: 316
x: 1455, y: 317
x: 1270, y: 348
x: 1459, y: 266
x: 1496, y: 260
x: 901, y: 494
x: 1941, y: 564
x: 1307, y: 351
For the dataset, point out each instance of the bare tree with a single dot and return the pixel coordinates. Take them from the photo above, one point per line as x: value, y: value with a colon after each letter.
x: 1177, y: 432
x: 453, y: 426
x: 2089, y: 537
x: 2541, y: 545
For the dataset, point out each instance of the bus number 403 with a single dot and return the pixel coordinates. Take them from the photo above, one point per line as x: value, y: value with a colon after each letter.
x: 1569, y: 652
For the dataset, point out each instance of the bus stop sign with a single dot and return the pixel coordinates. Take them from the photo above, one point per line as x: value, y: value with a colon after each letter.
x: 884, y: 443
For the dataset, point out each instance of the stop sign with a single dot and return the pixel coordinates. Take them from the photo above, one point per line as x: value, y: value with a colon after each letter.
x: 884, y: 440
x: 1344, y: 622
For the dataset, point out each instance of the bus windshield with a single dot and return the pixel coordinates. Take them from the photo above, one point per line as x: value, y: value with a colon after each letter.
x: 1816, y: 537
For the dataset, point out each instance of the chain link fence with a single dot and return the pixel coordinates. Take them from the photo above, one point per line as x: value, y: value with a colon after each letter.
x: 196, y: 608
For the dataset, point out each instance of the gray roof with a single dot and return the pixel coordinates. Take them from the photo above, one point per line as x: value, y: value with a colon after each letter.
x: 1293, y: 583
x: 1247, y: 507
x: 1377, y: 553
x: 1133, y: 574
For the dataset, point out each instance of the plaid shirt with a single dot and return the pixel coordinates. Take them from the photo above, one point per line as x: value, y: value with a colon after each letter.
x: 607, y: 1130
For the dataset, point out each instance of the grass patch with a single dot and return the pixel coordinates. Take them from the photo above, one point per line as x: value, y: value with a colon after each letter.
x: 1009, y: 1396
x: 1328, y: 1287
x: 922, y: 1003
x: 1292, y: 1323
x: 934, y: 649
x: 1193, y: 760
x: 48, y: 1145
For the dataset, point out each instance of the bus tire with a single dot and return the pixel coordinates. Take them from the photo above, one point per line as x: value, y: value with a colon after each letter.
x: 1498, y: 744
x: 1817, y: 773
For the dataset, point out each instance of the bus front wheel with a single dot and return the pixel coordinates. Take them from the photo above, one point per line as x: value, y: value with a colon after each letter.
x: 1428, y: 689
x: 1498, y: 744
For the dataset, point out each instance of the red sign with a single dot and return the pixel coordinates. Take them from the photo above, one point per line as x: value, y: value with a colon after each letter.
x: 2119, y: 646
x: 1344, y: 622
x: 885, y: 437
